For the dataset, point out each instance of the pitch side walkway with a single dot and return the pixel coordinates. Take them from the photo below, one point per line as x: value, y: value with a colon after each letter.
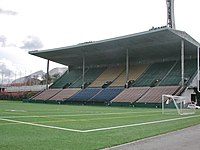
x: 186, y: 139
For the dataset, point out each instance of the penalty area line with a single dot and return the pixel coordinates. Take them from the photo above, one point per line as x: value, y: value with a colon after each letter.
x: 100, y: 129
x: 139, y: 124
x: 41, y: 125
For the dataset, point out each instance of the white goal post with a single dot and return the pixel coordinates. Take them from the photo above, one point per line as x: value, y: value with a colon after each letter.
x: 176, y: 104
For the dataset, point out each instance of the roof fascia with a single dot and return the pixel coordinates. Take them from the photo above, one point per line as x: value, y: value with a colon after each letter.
x: 98, y: 42
x: 185, y: 36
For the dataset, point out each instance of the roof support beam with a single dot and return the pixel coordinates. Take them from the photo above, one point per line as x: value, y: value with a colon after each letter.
x: 83, y: 79
x: 47, y: 77
x: 182, y: 63
x: 198, y: 68
x: 127, y: 65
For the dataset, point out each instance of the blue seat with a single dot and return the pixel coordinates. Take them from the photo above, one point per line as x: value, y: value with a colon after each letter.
x: 85, y: 94
x: 107, y: 94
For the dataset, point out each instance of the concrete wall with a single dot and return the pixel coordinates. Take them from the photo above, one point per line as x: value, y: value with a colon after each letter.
x: 33, y: 88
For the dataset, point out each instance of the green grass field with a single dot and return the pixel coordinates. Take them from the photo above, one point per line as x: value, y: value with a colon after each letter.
x: 44, y: 126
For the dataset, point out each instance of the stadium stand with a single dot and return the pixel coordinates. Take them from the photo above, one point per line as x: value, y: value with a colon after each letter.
x: 64, y: 94
x: 90, y: 76
x: 47, y: 94
x: 154, y: 74
x: 144, y: 90
x: 154, y: 95
x: 67, y: 79
x: 108, y: 76
x: 154, y: 68
x: 131, y: 95
x: 107, y: 94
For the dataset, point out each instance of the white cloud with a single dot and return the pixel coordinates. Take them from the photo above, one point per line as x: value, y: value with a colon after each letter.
x: 8, y: 64
x: 20, y: 59
x: 32, y: 43
x: 7, y: 12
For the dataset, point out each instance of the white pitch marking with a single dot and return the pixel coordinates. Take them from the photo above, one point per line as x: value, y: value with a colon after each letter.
x: 41, y: 125
x: 100, y: 129
x: 77, y: 115
x: 139, y: 124
x: 13, y: 110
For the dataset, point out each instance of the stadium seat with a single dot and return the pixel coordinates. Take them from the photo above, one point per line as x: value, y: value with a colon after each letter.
x: 47, y: 94
x: 174, y: 76
x: 90, y: 75
x: 131, y: 95
x: 109, y: 75
x: 64, y: 94
x: 107, y: 94
x: 67, y: 79
x: 85, y: 94
x: 154, y: 94
x: 155, y: 72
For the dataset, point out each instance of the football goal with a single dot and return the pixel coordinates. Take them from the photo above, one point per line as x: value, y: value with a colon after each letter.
x: 176, y: 105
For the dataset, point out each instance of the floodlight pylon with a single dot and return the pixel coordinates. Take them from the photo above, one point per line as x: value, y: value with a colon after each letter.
x: 170, y: 14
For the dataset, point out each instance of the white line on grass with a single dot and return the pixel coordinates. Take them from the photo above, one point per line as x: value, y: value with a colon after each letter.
x: 77, y: 115
x: 41, y: 125
x: 100, y: 129
x: 139, y: 124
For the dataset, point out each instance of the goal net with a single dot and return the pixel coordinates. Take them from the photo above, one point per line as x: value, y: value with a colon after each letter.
x: 176, y: 105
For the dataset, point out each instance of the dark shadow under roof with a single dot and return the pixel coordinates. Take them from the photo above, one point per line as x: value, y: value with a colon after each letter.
x: 159, y: 44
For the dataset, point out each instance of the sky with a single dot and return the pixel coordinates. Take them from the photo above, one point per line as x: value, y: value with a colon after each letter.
x: 27, y: 25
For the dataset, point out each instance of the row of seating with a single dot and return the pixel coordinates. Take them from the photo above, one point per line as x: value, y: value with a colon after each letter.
x: 130, y: 95
x: 174, y: 76
x: 96, y: 94
x: 142, y: 75
x: 106, y: 84
x: 67, y: 79
x: 85, y: 94
x: 97, y: 77
x: 46, y: 94
x: 154, y: 74
x: 154, y: 95
x: 64, y: 94
x: 109, y: 75
x: 90, y: 76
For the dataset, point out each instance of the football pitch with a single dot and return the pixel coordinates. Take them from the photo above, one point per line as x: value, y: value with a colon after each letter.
x: 47, y: 126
